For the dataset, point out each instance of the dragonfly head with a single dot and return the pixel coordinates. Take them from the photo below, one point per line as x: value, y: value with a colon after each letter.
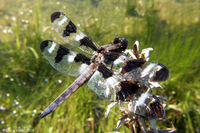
x: 121, y: 43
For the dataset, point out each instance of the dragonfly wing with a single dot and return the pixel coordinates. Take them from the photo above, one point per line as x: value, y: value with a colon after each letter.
x: 112, y: 89
x: 71, y: 34
x: 142, y: 71
x: 103, y: 87
x: 64, y: 60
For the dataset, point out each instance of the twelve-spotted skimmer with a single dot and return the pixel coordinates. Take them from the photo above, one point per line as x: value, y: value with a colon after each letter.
x: 111, y: 82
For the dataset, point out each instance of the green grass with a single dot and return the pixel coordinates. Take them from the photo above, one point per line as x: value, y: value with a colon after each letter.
x: 28, y: 83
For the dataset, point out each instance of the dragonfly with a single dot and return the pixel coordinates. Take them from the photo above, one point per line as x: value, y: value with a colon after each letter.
x: 107, y: 69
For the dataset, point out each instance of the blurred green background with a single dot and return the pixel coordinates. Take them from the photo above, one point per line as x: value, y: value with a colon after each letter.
x: 28, y: 83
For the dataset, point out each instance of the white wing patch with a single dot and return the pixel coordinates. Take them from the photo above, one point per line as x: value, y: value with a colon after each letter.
x: 147, y: 70
x: 78, y: 37
x: 53, y: 45
x: 142, y: 98
x: 62, y: 21
x: 71, y: 57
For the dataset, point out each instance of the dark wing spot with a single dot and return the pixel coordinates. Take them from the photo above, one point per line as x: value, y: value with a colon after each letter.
x: 127, y: 89
x: 70, y: 28
x: 82, y: 58
x: 156, y: 110
x: 105, y: 71
x: 62, y: 51
x: 54, y: 16
x: 86, y: 41
x: 160, y: 74
x: 132, y: 64
x: 44, y: 44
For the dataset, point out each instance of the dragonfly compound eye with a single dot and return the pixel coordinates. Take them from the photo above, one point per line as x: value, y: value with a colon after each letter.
x: 124, y: 43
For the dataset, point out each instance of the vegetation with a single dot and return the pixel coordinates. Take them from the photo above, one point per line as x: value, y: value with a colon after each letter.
x: 29, y: 84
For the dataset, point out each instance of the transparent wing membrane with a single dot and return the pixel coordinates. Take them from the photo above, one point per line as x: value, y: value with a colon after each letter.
x: 71, y: 34
x: 61, y: 58
x: 105, y: 88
